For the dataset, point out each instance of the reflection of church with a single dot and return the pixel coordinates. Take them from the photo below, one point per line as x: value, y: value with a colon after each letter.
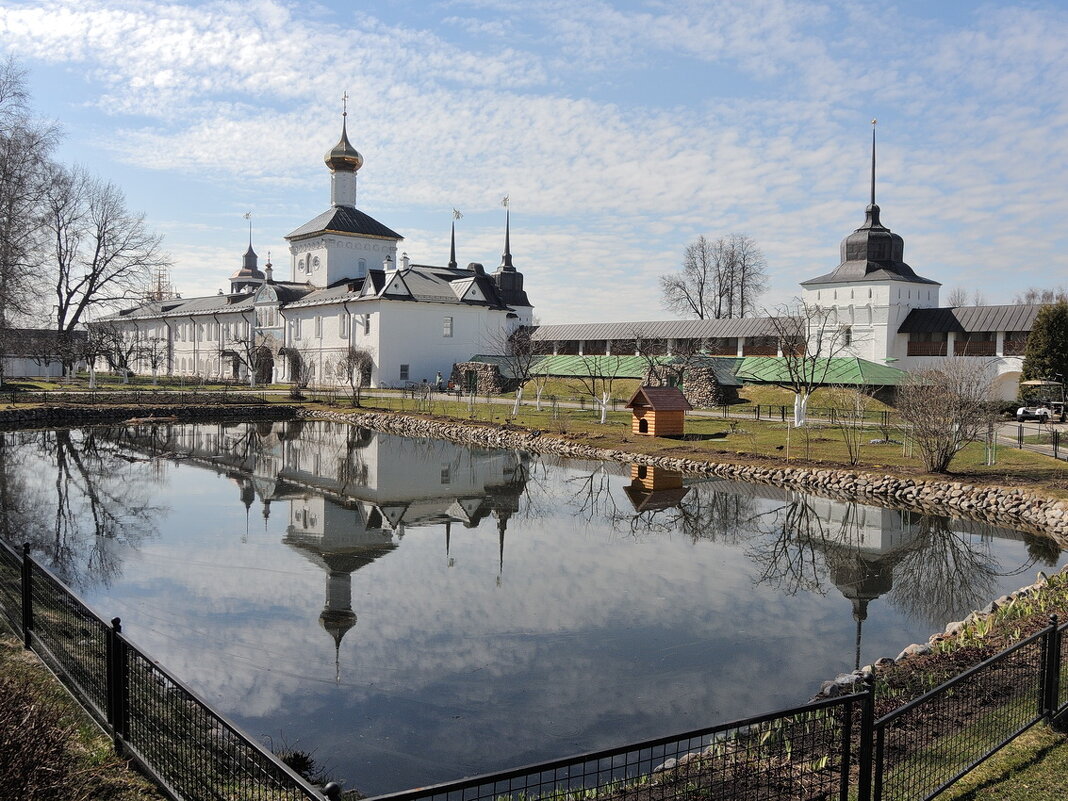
x: 351, y: 493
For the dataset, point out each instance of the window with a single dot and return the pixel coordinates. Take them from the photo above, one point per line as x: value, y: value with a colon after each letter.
x: 446, y: 474
x: 366, y: 324
x: 404, y: 372
x: 446, y: 329
x: 343, y: 324
x: 847, y: 336
x: 318, y: 325
x: 296, y: 328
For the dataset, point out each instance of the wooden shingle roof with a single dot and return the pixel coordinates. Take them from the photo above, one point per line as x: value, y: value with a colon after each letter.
x: 660, y: 399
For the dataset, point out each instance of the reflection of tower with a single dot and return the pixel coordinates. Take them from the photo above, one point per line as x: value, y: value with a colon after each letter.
x: 861, y: 578
x: 338, y: 617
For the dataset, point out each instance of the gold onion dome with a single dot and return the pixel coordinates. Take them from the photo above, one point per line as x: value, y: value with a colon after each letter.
x: 343, y: 156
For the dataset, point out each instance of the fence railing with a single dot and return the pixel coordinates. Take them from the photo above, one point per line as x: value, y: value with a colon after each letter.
x: 1041, y: 438
x: 191, y: 751
x: 833, y: 748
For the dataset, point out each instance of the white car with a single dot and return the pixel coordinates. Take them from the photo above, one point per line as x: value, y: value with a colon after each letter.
x: 1043, y: 413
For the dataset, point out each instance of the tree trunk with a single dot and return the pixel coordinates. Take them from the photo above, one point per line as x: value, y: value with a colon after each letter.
x: 604, y: 407
x: 518, y: 400
x: 800, y: 409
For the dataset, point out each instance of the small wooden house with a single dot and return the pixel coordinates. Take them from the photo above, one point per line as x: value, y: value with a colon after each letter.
x: 659, y: 411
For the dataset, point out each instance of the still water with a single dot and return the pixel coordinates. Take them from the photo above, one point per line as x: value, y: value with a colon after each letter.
x: 411, y: 611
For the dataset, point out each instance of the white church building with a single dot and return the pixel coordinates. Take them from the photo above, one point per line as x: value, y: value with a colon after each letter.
x: 346, y: 287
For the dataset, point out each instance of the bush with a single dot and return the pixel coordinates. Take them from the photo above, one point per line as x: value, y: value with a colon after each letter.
x: 35, y: 758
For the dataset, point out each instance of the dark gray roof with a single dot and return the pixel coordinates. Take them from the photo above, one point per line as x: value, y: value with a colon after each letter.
x: 425, y: 283
x: 871, y: 253
x: 344, y: 220
x: 659, y: 329
x: 968, y: 319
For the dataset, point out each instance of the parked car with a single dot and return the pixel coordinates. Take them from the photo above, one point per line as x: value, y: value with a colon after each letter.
x: 1043, y: 412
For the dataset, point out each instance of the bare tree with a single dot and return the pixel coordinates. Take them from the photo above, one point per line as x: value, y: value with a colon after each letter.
x: 1034, y: 295
x: 154, y: 352
x: 720, y: 278
x: 249, y: 349
x: 25, y: 146
x: 810, y: 336
x: 119, y: 348
x: 101, y: 251
x: 600, y: 372
x: 945, y: 408
x: 850, y: 406
x: 354, y: 368
x: 519, y: 353
x: 959, y: 296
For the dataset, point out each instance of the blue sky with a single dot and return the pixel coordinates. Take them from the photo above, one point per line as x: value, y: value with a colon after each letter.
x: 620, y: 131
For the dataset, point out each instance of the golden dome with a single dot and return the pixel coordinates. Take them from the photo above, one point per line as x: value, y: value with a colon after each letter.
x: 343, y: 156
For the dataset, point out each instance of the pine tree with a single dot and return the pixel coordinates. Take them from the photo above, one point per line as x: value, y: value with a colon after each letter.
x: 1046, y: 356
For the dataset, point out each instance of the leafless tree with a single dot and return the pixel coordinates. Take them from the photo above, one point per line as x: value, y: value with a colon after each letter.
x: 959, y: 296
x: 810, y: 336
x: 1034, y: 295
x: 249, y: 349
x: 154, y: 352
x: 596, y: 381
x: 119, y: 348
x: 850, y: 406
x: 25, y: 147
x: 945, y: 408
x: 720, y: 278
x: 354, y: 368
x: 102, y: 252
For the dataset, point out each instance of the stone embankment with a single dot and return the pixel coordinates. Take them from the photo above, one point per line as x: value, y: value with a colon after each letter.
x: 60, y: 416
x: 1013, y: 507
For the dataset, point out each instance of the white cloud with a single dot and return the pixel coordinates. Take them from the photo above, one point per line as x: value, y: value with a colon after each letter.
x: 616, y: 130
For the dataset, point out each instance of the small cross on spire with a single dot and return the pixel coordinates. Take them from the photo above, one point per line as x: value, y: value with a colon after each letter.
x: 345, y: 104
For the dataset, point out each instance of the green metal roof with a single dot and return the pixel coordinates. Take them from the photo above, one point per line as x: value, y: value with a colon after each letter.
x: 842, y: 371
x: 613, y: 366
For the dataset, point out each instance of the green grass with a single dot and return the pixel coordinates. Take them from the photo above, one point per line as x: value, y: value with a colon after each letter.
x: 1034, y: 767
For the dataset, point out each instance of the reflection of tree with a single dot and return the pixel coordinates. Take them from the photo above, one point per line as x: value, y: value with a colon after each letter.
x: 786, y: 546
x: 943, y: 576
x: 84, y: 497
x: 592, y: 495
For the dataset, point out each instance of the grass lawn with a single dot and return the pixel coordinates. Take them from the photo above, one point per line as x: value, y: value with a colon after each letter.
x: 1034, y: 767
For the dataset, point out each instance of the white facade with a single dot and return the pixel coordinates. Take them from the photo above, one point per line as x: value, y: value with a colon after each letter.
x: 348, y: 288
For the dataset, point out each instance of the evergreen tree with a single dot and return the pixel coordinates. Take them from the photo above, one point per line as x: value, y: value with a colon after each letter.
x: 1046, y: 356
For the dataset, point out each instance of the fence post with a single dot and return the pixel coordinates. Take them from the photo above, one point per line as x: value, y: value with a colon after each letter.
x: 1051, y: 670
x: 27, y: 595
x: 782, y: 413
x: 867, y: 730
x: 1019, y: 436
x: 117, y: 684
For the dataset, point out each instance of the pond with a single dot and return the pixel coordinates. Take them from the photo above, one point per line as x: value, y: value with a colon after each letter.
x: 411, y: 611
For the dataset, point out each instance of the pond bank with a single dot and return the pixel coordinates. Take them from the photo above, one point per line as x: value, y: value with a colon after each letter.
x: 1013, y: 507
x: 1010, y: 506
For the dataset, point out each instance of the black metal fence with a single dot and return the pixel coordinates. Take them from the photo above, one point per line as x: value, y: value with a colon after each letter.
x: 1043, y: 438
x: 834, y: 748
x: 191, y: 751
x: 806, y: 752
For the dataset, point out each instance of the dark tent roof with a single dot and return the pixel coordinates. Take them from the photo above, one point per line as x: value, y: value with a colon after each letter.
x: 661, y: 399
x: 344, y: 220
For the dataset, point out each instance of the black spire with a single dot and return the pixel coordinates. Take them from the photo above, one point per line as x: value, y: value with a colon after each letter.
x: 452, y: 248
x: 873, y: 123
x: 506, y: 259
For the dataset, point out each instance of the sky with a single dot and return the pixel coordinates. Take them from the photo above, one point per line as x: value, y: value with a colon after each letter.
x: 619, y: 131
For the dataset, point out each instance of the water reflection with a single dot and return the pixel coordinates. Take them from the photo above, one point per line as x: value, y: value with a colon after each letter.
x: 352, y: 591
